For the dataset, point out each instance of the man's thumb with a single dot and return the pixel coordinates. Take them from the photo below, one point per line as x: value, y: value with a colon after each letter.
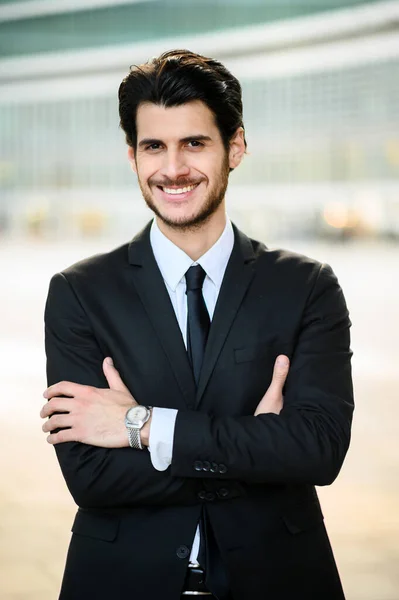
x: 280, y: 370
x: 114, y: 379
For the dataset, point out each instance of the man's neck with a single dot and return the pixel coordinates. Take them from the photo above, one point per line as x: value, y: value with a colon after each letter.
x: 196, y: 242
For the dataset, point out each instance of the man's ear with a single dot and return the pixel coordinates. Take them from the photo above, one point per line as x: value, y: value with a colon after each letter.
x: 237, y: 148
x: 131, y: 158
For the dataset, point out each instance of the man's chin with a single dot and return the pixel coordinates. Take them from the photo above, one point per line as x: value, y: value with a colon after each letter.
x: 183, y: 221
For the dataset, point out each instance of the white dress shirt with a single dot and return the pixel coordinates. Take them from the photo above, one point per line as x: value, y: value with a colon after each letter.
x: 173, y: 264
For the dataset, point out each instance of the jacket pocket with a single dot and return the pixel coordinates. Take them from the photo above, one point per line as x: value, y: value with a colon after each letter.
x: 102, y: 527
x: 301, y: 517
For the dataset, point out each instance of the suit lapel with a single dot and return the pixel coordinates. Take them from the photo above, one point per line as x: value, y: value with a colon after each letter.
x: 238, y: 276
x: 154, y: 296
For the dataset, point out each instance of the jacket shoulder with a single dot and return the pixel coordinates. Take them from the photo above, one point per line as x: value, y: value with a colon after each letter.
x: 98, y: 265
x: 292, y: 270
x: 283, y: 258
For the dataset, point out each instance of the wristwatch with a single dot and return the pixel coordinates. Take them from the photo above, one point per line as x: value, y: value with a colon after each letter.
x: 135, y: 418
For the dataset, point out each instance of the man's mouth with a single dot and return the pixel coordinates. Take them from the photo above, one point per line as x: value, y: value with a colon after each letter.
x: 177, y: 191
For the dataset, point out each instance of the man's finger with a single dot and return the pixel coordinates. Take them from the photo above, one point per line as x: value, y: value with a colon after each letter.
x: 65, y: 435
x: 57, y: 422
x: 280, y: 372
x: 64, y: 388
x: 114, y: 379
x: 56, y: 405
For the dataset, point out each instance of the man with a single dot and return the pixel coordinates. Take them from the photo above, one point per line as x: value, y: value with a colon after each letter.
x: 165, y: 398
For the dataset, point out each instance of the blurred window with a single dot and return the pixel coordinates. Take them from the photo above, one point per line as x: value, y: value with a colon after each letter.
x: 143, y: 21
x: 330, y: 126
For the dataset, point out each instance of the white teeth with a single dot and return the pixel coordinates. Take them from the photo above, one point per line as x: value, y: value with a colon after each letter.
x: 179, y: 190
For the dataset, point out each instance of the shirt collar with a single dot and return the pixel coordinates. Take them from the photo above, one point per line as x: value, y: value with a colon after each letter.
x: 174, y: 262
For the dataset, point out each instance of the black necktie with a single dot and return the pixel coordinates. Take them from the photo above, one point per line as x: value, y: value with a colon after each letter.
x: 197, y: 319
x: 198, y: 324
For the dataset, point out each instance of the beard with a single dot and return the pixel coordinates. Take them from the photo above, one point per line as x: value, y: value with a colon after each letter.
x: 213, y: 199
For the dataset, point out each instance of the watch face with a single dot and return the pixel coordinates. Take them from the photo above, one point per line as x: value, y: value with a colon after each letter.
x: 137, y: 414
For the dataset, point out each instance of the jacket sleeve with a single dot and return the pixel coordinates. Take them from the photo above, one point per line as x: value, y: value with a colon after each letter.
x: 99, y: 477
x: 308, y: 441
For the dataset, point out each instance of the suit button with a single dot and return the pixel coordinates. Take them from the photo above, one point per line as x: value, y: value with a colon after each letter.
x: 214, y: 467
x: 198, y: 465
x: 202, y: 495
x: 206, y: 465
x: 223, y: 493
x: 182, y: 552
x: 210, y: 496
x: 222, y: 469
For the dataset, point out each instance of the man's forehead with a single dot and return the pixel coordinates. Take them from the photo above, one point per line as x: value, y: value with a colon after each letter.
x: 180, y: 121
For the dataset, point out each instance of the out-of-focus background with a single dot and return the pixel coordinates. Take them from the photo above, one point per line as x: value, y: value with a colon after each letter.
x: 321, y: 109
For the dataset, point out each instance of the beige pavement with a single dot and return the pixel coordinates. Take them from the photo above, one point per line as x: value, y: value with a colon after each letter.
x: 361, y: 508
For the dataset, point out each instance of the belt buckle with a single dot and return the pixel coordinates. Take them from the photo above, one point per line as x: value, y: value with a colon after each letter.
x: 188, y: 593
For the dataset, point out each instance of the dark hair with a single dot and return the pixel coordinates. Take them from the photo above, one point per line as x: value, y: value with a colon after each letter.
x: 177, y: 77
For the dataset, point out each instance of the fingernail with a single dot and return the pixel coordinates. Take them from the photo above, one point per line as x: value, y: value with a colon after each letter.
x: 282, y: 361
x: 109, y: 361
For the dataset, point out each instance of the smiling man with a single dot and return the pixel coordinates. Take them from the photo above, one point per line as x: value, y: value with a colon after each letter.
x: 187, y: 186
x: 166, y: 361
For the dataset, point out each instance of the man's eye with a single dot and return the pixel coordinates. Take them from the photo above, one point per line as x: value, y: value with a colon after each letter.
x: 153, y: 147
x: 195, y: 143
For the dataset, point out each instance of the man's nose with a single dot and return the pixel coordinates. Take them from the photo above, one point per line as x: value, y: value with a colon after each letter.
x: 175, y: 166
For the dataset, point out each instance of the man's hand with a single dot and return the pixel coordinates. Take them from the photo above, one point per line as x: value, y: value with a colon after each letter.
x: 93, y: 416
x: 272, y: 401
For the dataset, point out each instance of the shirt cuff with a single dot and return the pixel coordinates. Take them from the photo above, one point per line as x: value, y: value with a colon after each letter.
x: 160, y: 443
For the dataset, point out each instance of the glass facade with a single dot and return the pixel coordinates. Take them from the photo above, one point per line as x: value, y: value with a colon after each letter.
x: 329, y: 126
x: 144, y: 21
x: 338, y: 125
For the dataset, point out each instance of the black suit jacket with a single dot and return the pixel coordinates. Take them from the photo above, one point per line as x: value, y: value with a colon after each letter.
x: 255, y: 476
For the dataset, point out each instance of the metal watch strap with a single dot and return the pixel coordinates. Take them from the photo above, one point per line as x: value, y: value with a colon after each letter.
x: 134, y: 438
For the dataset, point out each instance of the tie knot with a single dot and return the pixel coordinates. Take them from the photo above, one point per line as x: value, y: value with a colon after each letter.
x: 195, y: 278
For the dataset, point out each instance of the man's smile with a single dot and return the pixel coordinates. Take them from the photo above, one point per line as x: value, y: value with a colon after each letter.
x: 176, y: 194
x: 181, y: 190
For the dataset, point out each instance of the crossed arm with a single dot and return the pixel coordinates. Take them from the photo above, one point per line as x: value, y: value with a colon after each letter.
x: 95, y: 416
x: 305, y: 443
x: 94, y: 452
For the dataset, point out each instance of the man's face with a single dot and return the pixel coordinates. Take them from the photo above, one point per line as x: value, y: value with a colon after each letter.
x: 181, y: 163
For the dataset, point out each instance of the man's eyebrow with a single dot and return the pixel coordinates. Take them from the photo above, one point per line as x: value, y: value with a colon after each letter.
x: 148, y: 142
x: 199, y: 138
x: 189, y: 138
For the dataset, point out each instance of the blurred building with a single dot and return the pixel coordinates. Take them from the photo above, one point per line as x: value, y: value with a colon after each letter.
x: 321, y: 110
